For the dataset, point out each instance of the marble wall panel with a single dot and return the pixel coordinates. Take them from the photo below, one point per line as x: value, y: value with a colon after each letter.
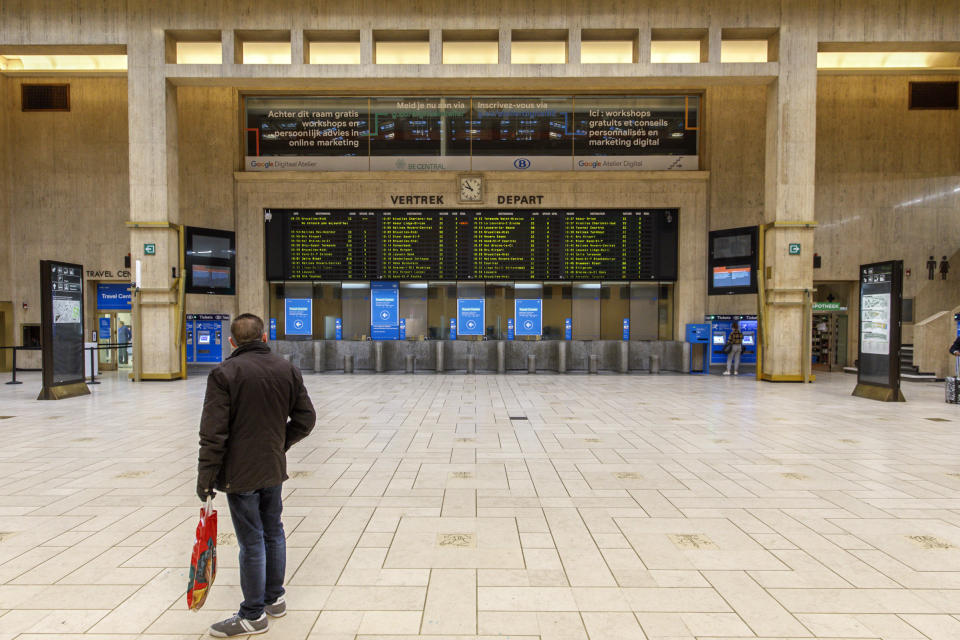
x: 66, y: 188
x: 888, y: 180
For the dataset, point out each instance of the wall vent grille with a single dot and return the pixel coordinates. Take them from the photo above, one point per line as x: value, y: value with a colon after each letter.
x: 45, y: 97
x: 935, y: 95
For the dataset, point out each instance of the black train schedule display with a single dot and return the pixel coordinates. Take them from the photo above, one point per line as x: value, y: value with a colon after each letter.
x: 474, y: 244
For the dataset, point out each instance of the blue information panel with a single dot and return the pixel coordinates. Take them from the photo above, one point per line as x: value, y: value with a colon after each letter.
x: 298, y: 316
x: 403, y: 328
x: 113, y: 296
x: 385, y: 310
x: 470, y: 317
x: 529, y: 317
x: 568, y: 328
x: 453, y: 328
x: 273, y: 328
x: 626, y: 328
x: 509, y: 328
x: 338, y: 328
x: 105, y: 329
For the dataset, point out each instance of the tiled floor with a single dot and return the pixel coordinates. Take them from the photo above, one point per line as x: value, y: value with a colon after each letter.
x: 521, y: 507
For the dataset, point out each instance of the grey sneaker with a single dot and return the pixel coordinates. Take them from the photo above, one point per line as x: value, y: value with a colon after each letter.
x: 237, y: 626
x: 278, y: 609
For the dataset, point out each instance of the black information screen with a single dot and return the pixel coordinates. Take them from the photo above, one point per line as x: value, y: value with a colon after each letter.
x: 881, y: 296
x: 484, y: 244
x: 63, y: 320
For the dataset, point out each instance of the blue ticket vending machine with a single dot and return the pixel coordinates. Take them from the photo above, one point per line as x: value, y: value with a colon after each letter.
x: 206, y: 335
x: 191, y: 355
x: 721, y: 326
x: 699, y: 334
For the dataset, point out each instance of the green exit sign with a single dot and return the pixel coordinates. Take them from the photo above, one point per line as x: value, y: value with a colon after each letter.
x: 794, y: 248
x: 151, y: 249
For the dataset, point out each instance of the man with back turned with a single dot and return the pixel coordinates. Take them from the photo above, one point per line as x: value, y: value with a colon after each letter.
x: 255, y: 409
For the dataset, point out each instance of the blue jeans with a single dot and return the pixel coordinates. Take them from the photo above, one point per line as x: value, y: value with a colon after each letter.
x: 263, y: 548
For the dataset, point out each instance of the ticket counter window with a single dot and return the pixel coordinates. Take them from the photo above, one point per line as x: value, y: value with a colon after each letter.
x: 644, y: 311
x: 586, y: 310
x: 356, y: 310
x: 614, y: 307
x: 527, y: 291
x: 557, y: 307
x: 499, y: 298
x: 665, y: 312
x: 326, y: 306
x: 471, y: 291
x: 414, y: 309
x: 441, y: 307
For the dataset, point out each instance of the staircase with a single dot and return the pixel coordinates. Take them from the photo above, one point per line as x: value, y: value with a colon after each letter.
x: 908, y: 371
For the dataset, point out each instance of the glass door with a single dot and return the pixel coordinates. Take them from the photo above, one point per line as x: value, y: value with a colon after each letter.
x: 106, y: 334
x: 124, y: 335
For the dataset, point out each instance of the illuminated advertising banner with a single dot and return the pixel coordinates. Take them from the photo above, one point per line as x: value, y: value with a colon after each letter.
x: 478, y: 133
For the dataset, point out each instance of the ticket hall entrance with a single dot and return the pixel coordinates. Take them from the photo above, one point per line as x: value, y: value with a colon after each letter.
x: 114, y: 326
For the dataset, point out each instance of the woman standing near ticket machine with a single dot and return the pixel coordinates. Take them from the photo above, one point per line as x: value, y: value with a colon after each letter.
x: 733, y: 349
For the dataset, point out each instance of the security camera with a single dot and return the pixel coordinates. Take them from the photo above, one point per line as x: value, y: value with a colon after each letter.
x: 267, y: 216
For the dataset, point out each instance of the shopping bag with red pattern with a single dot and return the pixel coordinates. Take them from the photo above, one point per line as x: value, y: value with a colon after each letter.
x: 203, y: 562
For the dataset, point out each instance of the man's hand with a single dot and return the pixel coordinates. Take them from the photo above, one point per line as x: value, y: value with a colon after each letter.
x: 203, y: 492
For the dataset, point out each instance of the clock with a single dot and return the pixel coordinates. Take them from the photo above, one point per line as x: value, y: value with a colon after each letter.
x: 471, y: 188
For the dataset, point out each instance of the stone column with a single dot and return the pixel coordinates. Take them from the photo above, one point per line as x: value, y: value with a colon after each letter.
x: 789, y: 195
x: 152, y: 124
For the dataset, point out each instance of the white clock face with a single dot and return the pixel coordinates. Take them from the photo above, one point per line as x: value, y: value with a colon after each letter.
x: 470, y: 189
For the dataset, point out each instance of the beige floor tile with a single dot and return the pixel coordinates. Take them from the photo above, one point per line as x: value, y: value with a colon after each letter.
x: 623, y: 626
x: 624, y: 506
x: 451, y: 606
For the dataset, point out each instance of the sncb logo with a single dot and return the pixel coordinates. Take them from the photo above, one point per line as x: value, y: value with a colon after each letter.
x: 521, y: 163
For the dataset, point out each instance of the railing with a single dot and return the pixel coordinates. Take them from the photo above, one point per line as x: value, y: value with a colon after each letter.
x: 14, y: 380
x: 101, y: 347
x: 92, y: 350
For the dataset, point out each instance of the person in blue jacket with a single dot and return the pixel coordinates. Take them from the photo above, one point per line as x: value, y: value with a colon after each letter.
x: 124, y: 335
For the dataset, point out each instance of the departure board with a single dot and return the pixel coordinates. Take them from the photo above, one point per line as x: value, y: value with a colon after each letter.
x: 472, y: 244
x: 339, y: 245
x: 409, y: 245
x: 502, y: 246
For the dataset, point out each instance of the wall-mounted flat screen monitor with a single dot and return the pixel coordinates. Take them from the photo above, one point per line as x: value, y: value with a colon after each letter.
x: 733, y: 261
x: 733, y: 276
x: 211, y: 277
x: 210, y: 258
x: 735, y: 246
